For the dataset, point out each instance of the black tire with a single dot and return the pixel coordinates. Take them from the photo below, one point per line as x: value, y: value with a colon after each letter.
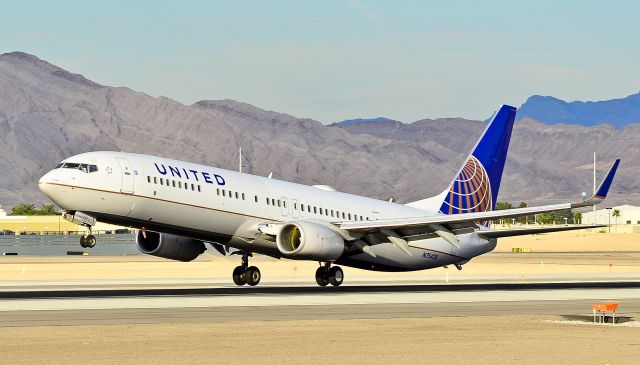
x: 336, y: 276
x: 83, y: 241
x: 90, y: 241
x: 252, y: 275
x: 238, y: 276
x: 322, y: 276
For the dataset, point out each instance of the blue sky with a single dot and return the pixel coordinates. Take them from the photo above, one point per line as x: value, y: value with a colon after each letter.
x: 334, y: 60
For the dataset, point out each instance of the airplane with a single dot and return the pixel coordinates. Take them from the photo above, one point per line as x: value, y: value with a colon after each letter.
x: 178, y: 206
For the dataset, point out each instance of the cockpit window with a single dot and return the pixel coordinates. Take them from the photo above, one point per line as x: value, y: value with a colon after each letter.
x: 86, y: 168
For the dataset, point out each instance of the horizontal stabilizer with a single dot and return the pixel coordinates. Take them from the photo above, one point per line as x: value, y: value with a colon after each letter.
x: 602, y: 190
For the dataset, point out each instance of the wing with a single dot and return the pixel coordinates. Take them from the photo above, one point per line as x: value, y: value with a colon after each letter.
x: 498, y: 233
x: 437, y: 221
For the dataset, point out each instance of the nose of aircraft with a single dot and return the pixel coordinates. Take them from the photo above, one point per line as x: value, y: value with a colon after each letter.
x: 46, y: 181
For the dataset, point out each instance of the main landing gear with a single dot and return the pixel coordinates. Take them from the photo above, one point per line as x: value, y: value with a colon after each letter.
x: 327, y: 274
x: 245, y: 274
x: 88, y: 241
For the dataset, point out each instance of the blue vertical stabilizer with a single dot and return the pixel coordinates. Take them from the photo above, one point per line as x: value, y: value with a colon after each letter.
x: 475, y: 187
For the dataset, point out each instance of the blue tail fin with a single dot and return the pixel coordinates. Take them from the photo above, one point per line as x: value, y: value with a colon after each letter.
x: 475, y: 187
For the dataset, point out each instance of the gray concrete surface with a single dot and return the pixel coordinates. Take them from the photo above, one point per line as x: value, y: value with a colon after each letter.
x: 174, y: 305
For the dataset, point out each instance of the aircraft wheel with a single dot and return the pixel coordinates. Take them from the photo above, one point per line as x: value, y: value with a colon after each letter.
x: 252, y: 275
x: 336, y: 276
x: 322, y: 276
x: 83, y: 241
x: 238, y: 276
x: 90, y: 241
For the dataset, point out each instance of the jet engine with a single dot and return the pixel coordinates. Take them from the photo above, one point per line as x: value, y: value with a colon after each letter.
x: 169, y: 246
x: 303, y: 240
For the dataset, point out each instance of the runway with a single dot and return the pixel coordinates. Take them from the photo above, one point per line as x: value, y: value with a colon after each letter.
x: 223, y: 304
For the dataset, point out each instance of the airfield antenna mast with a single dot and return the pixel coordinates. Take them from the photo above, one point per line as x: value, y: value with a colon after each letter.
x: 594, y: 185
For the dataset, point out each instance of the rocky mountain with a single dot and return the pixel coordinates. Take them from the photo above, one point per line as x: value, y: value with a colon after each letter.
x: 549, y: 110
x: 47, y: 114
x: 364, y: 120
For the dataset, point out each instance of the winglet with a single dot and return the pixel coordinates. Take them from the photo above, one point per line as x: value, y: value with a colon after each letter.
x: 602, y: 190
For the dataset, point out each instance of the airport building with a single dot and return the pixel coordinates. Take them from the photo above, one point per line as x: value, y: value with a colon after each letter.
x: 47, y: 224
x: 627, y: 221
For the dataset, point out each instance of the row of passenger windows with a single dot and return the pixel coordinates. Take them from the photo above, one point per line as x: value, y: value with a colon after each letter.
x: 270, y: 201
x: 174, y: 184
x: 315, y: 210
x: 231, y: 194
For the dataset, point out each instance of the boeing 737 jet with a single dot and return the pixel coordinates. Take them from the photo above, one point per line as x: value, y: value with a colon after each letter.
x: 180, y: 207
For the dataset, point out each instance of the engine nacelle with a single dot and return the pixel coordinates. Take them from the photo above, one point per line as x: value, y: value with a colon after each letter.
x: 303, y: 240
x: 169, y: 246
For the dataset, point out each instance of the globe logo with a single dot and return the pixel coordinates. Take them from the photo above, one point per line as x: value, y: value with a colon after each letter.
x: 470, y: 192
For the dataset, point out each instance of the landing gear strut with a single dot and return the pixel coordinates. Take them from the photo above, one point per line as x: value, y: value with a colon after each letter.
x: 245, y: 274
x: 88, y: 241
x: 328, y: 274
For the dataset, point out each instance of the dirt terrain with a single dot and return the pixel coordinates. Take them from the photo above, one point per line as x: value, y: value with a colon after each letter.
x: 464, y: 340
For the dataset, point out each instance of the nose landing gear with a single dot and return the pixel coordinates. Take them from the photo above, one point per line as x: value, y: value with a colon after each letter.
x: 88, y: 241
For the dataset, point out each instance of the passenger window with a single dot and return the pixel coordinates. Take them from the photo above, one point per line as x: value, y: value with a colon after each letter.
x: 198, y: 188
x: 149, y: 179
x: 155, y: 180
x: 256, y: 198
x: 179, y: 184
x: 343, y: 215
x: 192, y: 187
x: 173, y: 183
x: 218, y: 191
x: 279, y: 203
x: 236, y: 195
x: 93, y: 168
x: 321, y: 211
x: 295, y: 206
x: 349, y: 215
x: 284, y: 204
x: 161, y: 181
x: 224, y: 193
x: 242, y: 196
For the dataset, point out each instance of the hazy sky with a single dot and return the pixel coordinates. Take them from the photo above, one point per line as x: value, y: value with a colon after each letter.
x: 333, y: 60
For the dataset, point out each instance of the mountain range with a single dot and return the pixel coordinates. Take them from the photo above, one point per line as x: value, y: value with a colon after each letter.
x: 549, y: 110
x: 48, y: 114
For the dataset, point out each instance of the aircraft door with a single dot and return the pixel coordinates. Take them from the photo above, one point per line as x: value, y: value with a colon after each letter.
x: 127, y: 175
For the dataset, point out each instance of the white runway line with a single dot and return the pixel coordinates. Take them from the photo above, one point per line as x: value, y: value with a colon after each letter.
x: 328, y: 299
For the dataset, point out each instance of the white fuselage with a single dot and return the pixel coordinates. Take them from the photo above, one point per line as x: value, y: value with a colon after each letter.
x: 226, y: 207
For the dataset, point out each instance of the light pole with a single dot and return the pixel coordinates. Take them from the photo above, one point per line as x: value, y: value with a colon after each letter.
x: 609, y: 211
